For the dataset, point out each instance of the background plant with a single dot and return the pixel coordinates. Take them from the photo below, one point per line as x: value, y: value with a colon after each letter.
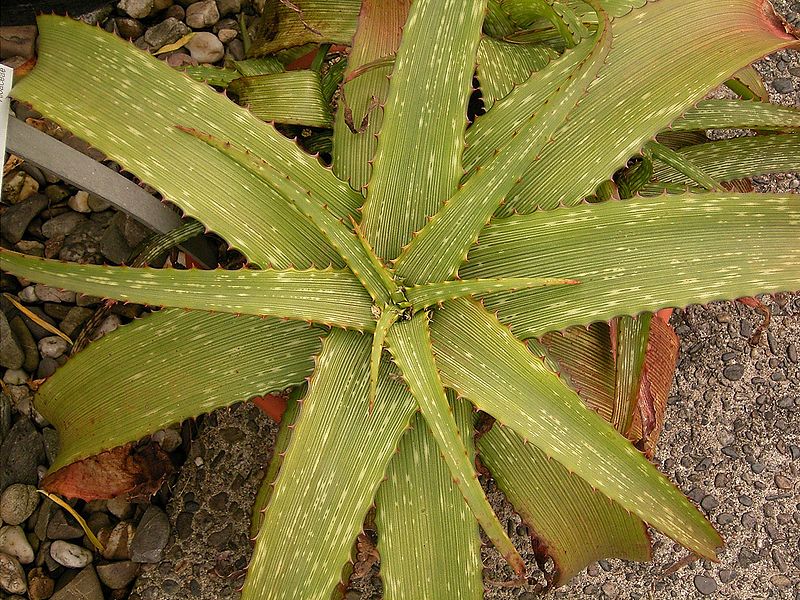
x: 607, y: 80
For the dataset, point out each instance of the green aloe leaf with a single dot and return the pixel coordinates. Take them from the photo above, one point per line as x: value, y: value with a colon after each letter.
x: 329, y: 297
x: 363, y: 94
x: 139, y: 133
x: 632, y: 334
x: 502, y: 65
x: 571, y: 522
x: 634, y: 78
x: 337, y: 457
x: 426, y: 108
x: 525, y: 13
x: 516, y: 388
x: 289, y: 24
x: 388, y: 318
x: 426, y: 295
x: 748, y: 85
x: 738, y: 158
x: 428, y: 540
x: 681, y: 163
x: 441, y: 246
x: 291, y: 97
x: 410, y: 345
x: 738, y: 114
x: 358, y: 256
x: 178, y: 364
x: 627, y: 259
x: 216, y: 76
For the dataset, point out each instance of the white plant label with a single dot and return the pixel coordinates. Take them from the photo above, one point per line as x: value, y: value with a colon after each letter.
x: 6, y: 77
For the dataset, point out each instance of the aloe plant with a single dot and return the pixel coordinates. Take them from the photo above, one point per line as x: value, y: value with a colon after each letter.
x: 468, y: 250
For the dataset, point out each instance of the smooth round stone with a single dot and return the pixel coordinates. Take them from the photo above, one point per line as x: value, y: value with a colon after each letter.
x: 117, y: 575
x: 52, y: 346
x: 70, y: 555
x: 14, y: 543
x: 15, y: 377
x: 17, y: 503
x: 202, y: 14
x: 80, y: 202
x: 205, y: 47
x: 12, y: 577
x: 705, y: 585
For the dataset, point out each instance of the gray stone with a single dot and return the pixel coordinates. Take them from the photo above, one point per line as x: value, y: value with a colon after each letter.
x: 70, y: 555
x: 14, y: 543
x: 202, y: 14
x: 27, y: 342
x: 130, y: 29
x: 120, y: 507
x: 46, y: 293
x: 205, y: 47
x: 705, y: 585
x: 31, y: 247
x: 51, y: 444
x: 17, y: 503
x: 12, y: 577
x: 15, y: 377
x: 76, y: 317
x: 117, y: 541
x: 151, y: 536
x: 138, y: 9
x: 117, y: 575
x: 227, y: 35
x: 114, y: 246
x: 46, y: 368
x: 16, y: 218
x: 85, y: 586
x: 166, y: 32
x: 21, y: 453
x: 62, y: 225
x: 52, y: 346
x: 18, y: 40
x: 229, y: 7
x: 733, y: 372
x: 783, y: 85
x: 11, y: 355
x: 83, y: 243
x: 61, y: 528
x: 109, y: 324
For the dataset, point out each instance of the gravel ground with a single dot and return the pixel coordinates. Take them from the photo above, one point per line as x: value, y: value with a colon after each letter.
x: 732, y: 440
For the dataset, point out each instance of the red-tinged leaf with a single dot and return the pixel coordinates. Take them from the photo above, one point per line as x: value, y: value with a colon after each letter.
x: 272, y: 405
x: 135, y: 471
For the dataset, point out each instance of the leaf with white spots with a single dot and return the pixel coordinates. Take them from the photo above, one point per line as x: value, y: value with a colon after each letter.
x: 639, y: 255
x: 441, y: 246
x: 738, y: 114
x: 737, y: 158
x: 429, y: 542
x: 410, y: 345
x: 417, y: 163
x: 428, y: 294
x: 127, y: 103
x: 291, y: 97
x: 484, y: 362
x: 655, y: 71
x: 328, y: 297
x: 336, y: 458
x: 165, y: 368
x: 569, y: 521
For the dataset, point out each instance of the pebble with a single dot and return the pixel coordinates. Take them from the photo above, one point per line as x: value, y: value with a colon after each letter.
x: 709, y: 503
x: 170, y: 30
x: 129, y: 29
x: 12, y: 577
x: 62, y: 225
x: 205, y: 47
x: 117, y: 575
x: 705, y: 585
x: 26, y: 342
x: 227, y: 35
x: 20, y: 454
x: 85, y: 586
x: 76, y: 317
x: 780, y: 581
x: 14, y: 543
x: 28, y: 294
x: 70, y: 555
x: 11, y: 355
x: 202, y: 14
x: 109, y: 324
x: 726, y: 575
x: 46, y: 368
x: 16, y: 218
x: 52, y: 346
x: 782, y: 482
x: 117, y: 541
x: 80, y: 202
x: 229, y: 7
x: 168, y: 439
x: 783, y: 85
x: 40, y: 586
x: 17, y: 503
x: 120, y: 507
x: 138, y: 9
x: 61, y: 528
x: 733, y: 372
x: 15, y: 377
x: 46, y: 293
x: 151, y: 536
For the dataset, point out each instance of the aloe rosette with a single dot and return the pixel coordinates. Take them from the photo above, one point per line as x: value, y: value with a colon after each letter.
x: 438, y: 267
